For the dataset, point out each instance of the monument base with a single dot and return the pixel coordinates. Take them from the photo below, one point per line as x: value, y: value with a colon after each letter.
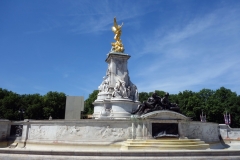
x: 114, y: 109
x: 105, y: 133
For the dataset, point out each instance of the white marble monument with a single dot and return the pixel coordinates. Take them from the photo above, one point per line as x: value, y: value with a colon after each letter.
x: 118, y: 96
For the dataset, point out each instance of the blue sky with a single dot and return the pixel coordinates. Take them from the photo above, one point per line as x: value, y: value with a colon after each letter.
x: 54, y: 45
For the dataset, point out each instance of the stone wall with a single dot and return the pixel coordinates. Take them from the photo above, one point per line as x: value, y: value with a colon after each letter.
x: 229, y: 133
x: 102, y: 131
x: 206, y: 131
x: 80, y: 131
x: 4, y: 129
x: 63, y: 131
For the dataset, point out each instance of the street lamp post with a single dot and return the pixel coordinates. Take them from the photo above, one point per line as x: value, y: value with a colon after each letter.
x: 21, y: 113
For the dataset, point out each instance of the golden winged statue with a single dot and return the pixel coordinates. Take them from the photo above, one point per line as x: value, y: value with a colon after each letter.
x: 117, y: 46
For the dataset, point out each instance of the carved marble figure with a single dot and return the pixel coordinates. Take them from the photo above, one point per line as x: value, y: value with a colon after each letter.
x: 134, y: 93
x: 120, y: 89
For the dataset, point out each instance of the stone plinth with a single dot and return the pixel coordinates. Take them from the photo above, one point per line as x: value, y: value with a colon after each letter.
x: 74, y: 106
x: 118, y: 96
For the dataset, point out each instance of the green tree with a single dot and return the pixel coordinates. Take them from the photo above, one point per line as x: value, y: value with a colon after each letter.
x: 235, y: 112
x: 34, y: 106
x: 143, y: 96
x: 54, y: 105
x: 10, y: 104
x: 225, y: 100
x: 88, y: 106
x: 186, y: 103
x: 159, y: 93
x: 212, y: 103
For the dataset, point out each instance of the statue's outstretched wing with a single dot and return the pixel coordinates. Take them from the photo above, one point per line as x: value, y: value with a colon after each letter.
x: 115, y: 22
x: 115, y: 25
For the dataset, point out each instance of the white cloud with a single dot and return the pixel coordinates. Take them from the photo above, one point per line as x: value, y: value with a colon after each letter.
x: 97, y: 16
x: 199, y: 54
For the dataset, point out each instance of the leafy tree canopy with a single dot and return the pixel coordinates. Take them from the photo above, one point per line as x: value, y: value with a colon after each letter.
x: 88, y: 106
x: 212, y: 103
x: 35, y: 106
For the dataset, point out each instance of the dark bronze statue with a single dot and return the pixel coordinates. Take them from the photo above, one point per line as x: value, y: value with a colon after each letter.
x: 155, y: 103
x: 167, y: 105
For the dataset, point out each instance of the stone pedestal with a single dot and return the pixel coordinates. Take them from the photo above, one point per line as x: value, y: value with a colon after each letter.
x: 74, y: 106
x: 118, y: 96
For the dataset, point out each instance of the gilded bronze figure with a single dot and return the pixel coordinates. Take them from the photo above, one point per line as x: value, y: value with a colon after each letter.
x: 117, y: 46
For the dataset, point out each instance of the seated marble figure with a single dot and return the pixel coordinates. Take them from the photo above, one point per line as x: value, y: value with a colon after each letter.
x: 155, y: 103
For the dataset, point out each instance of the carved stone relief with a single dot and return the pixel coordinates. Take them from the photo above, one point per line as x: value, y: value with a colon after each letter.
x: 37, y: 132
x: 79, y: 133
x: 63, y: 131
x: 204, y: 131
x: 115, y: 86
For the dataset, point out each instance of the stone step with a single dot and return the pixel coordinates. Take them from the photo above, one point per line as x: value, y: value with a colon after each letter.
x: 13, y: 145
x: 164, y: 144
x: 163, y: 140
x: 172, y: 147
